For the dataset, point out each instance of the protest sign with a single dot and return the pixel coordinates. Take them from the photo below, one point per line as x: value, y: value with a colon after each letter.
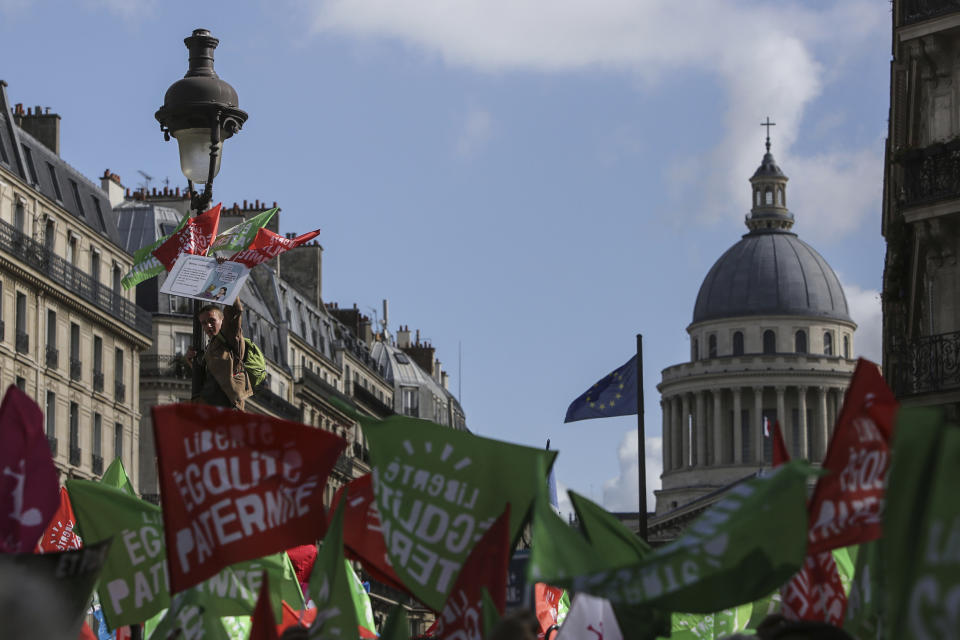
x: 59, y: 534
x: 203, y: 278
x: 438, y: 490
x: 921, y: 540
x: 237, y: 486
x: 486, y: 567
x: 194, y: 238
x: 744, y: 546
x: 29, y: 489
x: 847, y: 504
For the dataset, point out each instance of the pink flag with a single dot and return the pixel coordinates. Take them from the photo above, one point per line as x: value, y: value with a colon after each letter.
x: 847, y: 504
x: 195, y: 238
x: 29, y: 489
x: 267, y: 245
x: 59, y: 534
x: 237, y: 486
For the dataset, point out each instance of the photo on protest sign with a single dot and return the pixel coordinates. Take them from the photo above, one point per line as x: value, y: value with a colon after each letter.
x: 237, y: 486
x: 203, y: 278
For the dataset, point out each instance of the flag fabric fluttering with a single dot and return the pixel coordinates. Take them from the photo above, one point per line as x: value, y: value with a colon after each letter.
x: 194, y: 238
x: 59, y: 534
x: 267, y: 245
x: 590, y: 617
x: 330, y: 586
x: 145, y: 264
x: 239, y: 237
x: 613, y: 395
x: 780, y: 454
x: 29, y: 489
x: 264, y: 625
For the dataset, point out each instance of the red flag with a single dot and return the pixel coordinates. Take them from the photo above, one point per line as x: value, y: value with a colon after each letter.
x: 486, y: 566
x: 302, y: 558
x: 236, y: 486
x: 847, y: 504
x: 780, y: 454
x: 296, y: 618
x: 362, y: 534
x: 816, y: 592
x: 195, y: 238
x: 267, y: 245
x: 86, y: 633
x: 263, y: 626
x: 59, y: 534
x: 546, y: 600
x: 29, y: 489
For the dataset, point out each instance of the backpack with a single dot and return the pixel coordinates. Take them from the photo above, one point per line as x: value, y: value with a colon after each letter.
x: 254, y: 363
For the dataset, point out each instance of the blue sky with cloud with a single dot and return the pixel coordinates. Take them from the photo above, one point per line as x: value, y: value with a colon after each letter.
x: 529, y: 183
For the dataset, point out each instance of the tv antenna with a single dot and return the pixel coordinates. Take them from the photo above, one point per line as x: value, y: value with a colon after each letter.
x: 145, y: 185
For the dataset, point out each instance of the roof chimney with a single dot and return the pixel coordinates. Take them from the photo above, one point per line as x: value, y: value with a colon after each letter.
x: 111, y: 185
x: 45, y: 127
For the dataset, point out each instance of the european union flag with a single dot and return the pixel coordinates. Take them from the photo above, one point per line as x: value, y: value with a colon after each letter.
x: 614, y: 395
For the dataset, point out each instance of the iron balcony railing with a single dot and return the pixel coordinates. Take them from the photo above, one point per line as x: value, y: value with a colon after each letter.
x: 931, y: 174
x: 24, y: 248
x: 98, y: 381
x: 75, y: 456
x: 119, y: 391
x: 344, y: 465
x: 919, y: 10
x: 275, y: 404
x: 97, y: 464
x: 154, y: 366
x: 53, y: 357
x: 926, y: 364
x: 23, y: 342
x: 76, y: 369
x: 52, y: 441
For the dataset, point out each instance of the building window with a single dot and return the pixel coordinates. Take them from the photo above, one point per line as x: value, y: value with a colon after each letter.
x: 50, y: 234
x: 95, y: 265
x: 768, y: 196
x: 75, y: 364
x: 71, y: 248
x: 712, y: 345
x: 55, y: 181
x: 800, y: 341
x: 118, y: 440
x: 74, y: 431
x: 827, y: 343
x: 117, y: 280
x: 51, y: 414
x: 97, y: 434
x: 97, y: 363
x: 20, y: 324
x: 31, y: 169
x: 411, y: 401
x: 846, y: 347
x: 738, y: 343
x: 181, y: 342
x: 119, y: 389
x: 52, y: 352
x: 695, y: 350
x: 76, y: 197
x: 769, y: 342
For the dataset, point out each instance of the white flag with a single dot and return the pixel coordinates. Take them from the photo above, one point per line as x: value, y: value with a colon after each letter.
x: 590, y: 618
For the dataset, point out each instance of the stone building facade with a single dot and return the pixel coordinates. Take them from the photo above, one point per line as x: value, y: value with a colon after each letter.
x: 70, y: 336
x: 771, y: 341
x: 921, y: 207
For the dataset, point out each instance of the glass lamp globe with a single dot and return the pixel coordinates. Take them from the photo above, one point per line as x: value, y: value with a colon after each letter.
x: 195, y: 154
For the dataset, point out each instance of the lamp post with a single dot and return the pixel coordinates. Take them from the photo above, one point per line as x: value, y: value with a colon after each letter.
x: 201, y: 111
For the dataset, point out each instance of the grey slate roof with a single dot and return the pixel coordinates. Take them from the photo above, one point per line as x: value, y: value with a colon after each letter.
x: 770, y: 272
x: 93, y: 207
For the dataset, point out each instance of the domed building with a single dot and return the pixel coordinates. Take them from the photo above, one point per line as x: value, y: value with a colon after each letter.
x: 771, y: 340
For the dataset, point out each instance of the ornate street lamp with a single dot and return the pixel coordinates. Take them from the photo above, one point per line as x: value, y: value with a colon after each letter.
x: 200, y: 111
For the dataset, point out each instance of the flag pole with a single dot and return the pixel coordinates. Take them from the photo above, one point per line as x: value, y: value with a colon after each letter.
x: 641, y: 445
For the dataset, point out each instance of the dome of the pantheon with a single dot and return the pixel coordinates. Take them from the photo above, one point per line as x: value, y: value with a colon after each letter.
x: 770, y: 271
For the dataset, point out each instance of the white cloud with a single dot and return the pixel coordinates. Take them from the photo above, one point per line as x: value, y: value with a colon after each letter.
x: 762, y: 54
x: 620, y: 493
x: 864, y: 305
x: 476, y: 130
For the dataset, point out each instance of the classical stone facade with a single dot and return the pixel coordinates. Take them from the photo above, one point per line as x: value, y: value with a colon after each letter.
x: 921, y: 207
x: 771, y: 341
x: 70, y: 336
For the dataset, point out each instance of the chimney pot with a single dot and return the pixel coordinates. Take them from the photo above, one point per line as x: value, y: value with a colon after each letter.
x: 37, y: 110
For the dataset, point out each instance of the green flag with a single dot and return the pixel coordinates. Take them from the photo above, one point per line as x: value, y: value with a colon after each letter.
x: 239, y: 237
x: 116, y: 476
x: 330, y: 586
x: 439, y: 489
x: 397, y: 626
x: 145, y: 264
x: 743, y: 547
x: 488, y: 612
x: 865, y: 599
x: 763, y: 607
x: 921, y: 528
x: 710, y: 626
x: 361, y: 600
x: 190, y: 616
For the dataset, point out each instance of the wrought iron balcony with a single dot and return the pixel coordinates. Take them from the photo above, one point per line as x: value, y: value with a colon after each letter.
x: 22, y: 247
x: 52, y: 441
x: 931, y: 174
x: 98, y: 381
x: 275, y: 404
x: 344, y: 465
x: 919, y: 10
x: 75, y: 454
x: 76, y: 369
x: 23, y: 342
x: 926, y: 364
x: 154, y: 366
x: 53, y: 357
x: 119, y: 392
x: 97, y: 464
x: 2, y: 327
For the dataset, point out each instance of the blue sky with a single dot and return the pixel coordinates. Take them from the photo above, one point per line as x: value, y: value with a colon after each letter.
x: 529, y: 183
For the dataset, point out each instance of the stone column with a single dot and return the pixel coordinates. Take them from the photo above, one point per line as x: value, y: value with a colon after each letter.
x: 804, y: 451
x: 757, y: 422
x: 685, y: 430
x: 782, y: 416
x: 737, y: 432
x: 822, y: 424
x: 701, y: 426
x: 675, y: 433
x: 717, y: 426
x: 665, y: 433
